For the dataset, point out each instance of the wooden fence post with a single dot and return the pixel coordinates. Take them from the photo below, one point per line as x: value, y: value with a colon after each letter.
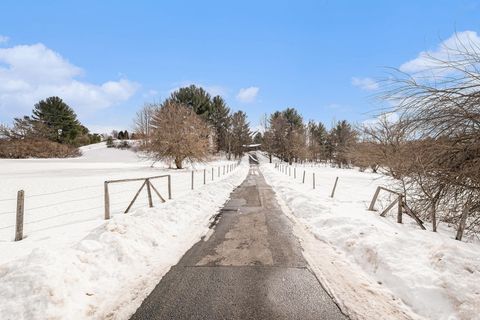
x: 374, y: 199
x: 400, y: 208
x: 204, y: 176
x: 223, y: 170
x: 334, y: 187
x: 149, y: 194
x: 218, y: 171
x: 303, y: 179
x: 289, y: 171
x: 193, y: 176
x: 107, y: 200
x: 295, y: 173
x: 314, y: 180
x: 19, y: 218
x: 169, y: 187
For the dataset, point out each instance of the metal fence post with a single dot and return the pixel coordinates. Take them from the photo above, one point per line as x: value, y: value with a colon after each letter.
x: 334, y: 187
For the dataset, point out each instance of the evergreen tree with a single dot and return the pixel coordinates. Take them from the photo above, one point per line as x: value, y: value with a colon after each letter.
x: 221, y: 121
x: 343, y: 138
x: 287, y: 135
x: 240, y: 133
x: 58, y: 121
x: 121, y: 135
x: 194, y: 97
x: 126, y: 136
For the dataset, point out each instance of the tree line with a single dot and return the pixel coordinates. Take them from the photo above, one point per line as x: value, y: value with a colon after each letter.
x: 429, y: 141
x: 191, y: 125
x: 289, y: 138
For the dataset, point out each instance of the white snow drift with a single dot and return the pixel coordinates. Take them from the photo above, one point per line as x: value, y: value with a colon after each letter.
x: 433, y: 275
x: 108, y: 272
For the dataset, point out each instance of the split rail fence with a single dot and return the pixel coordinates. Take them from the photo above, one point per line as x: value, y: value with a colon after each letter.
x: 399, y: 198
x: 52, y: 201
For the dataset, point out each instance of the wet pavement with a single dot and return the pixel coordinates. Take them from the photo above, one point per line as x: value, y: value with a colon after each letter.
x: 249, y: 267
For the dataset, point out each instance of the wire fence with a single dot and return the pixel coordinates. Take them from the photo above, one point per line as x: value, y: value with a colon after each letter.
x: 85, y: 204
x: 351, y: 185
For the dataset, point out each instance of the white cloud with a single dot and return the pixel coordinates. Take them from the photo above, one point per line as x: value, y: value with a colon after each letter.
x: 248, y: 94
x: 4, y: 39
x: 389, y: 117
x: 34, y: 72
x: 367, y: 84
x: 446, y: 50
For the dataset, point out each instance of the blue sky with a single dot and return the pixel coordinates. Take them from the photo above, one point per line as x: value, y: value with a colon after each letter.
x: 107, y: 58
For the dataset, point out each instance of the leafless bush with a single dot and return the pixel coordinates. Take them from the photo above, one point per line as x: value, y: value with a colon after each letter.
x: 178, y: 133
x: 440, y: 112
x: 35, y: 148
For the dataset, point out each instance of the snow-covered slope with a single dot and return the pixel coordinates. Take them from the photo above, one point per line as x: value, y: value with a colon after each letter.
x: 64, y: 197
x: 433, y: 275
x: 106, y: 269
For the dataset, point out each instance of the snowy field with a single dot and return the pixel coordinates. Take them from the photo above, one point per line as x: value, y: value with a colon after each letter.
x: 85, y: 267
x: 65, y: 197
x: 365, y: 260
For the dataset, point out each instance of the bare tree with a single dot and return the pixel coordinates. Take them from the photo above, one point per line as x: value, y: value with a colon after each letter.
x: 143, y: 123
x: 440, y: 109
x: 177, y: 134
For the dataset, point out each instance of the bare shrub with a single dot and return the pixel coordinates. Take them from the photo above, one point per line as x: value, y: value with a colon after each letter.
x: 35, y: 148
x: 178, y: 133
x: 440, y: 110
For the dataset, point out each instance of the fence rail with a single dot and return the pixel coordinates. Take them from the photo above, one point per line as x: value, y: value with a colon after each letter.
x: 62, y: 199
x: 399, y: 200
x: 146, y: 182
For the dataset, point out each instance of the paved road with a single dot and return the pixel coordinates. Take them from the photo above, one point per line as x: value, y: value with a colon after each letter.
x: 250, y: 267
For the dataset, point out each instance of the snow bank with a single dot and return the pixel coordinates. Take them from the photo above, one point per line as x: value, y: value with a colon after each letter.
x: 109, y: 273
x: 64, y: 197
x: 434, y: 275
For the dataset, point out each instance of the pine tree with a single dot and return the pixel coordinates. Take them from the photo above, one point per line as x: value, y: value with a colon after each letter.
x: 343, y: 137
x: 240, y: 133
x: 194, y: 97
x: 221, y: 121
x: 58, y: 120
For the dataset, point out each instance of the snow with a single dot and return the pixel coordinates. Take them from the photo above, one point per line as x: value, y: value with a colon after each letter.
x: 99, y: 269
x: 64, y: 197
x: 367, y: 260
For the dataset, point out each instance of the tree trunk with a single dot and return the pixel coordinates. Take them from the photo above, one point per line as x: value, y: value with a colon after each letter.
x: 434, y: 216
x: 178, y: 163
x: 270, y: 157
x: 463, y: 221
